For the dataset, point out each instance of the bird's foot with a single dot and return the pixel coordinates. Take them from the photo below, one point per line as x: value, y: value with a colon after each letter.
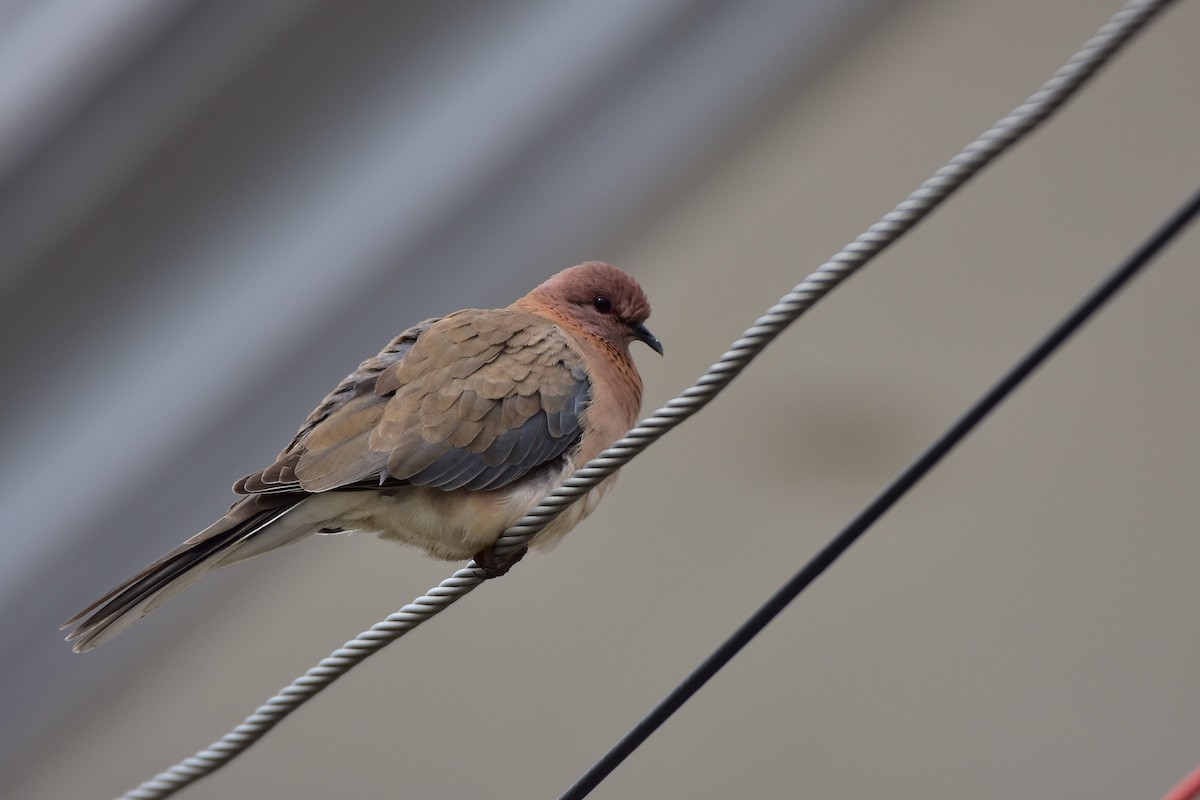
x: 494, y: 566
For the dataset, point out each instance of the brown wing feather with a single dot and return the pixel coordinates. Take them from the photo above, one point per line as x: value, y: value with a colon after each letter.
x: 355, y: 402
x: 480, y: 400
x: 475, y: 399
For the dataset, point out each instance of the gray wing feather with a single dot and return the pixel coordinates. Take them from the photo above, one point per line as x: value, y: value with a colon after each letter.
x: 541, y: 439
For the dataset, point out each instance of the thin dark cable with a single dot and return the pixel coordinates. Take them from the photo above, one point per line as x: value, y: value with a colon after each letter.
x: 884, y: 501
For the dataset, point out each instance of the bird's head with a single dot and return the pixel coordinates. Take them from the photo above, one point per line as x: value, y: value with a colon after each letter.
x: 601, y: 300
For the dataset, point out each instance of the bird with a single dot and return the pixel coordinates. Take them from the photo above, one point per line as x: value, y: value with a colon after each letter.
x: 443, y: 440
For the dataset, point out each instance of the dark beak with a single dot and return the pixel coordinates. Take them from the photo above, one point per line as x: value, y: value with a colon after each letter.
x: 642, y: 332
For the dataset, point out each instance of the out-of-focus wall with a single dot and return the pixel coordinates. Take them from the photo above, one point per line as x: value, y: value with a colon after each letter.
x: 215, y: 210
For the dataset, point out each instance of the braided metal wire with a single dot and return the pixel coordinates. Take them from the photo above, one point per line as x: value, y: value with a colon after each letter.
x: 1020, y: 121
x: 1065, y: 82
x: 330, y: 668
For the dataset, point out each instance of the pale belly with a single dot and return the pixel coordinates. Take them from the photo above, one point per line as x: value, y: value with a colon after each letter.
x: 451, y: 525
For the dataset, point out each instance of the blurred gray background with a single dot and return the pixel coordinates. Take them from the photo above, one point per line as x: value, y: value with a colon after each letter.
x: 211, y: 211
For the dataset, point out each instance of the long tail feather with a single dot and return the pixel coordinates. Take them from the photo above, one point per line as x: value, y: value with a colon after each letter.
x: 218, y: 545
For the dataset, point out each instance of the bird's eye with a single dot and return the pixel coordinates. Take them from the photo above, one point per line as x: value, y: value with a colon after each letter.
x: 602, y: 304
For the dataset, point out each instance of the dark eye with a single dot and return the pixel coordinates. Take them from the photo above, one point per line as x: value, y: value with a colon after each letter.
x: 602, y: 304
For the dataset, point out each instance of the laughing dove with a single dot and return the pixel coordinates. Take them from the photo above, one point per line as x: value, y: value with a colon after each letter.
x: 443, y: 440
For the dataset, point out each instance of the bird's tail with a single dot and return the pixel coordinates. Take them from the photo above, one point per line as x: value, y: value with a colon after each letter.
x: 252, y: 526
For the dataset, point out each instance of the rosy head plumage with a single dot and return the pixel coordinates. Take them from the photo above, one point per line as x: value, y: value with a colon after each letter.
x: 598, y: 298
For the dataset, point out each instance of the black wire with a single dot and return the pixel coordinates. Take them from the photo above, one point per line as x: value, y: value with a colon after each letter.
x: 886, y: 499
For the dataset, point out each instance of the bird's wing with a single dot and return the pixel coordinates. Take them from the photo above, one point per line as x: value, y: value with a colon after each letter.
x: 474, y: 400
x: 353, y: 401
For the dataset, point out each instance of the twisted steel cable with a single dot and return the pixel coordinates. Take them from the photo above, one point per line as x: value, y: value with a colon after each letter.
x: 1049, y: 98
x: 928, y: 196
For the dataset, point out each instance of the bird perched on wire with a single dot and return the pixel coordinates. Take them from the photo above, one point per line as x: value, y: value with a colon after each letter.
x: 443, y: 440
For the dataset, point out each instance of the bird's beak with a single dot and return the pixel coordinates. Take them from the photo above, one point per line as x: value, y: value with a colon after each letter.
x: 642, y: 332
